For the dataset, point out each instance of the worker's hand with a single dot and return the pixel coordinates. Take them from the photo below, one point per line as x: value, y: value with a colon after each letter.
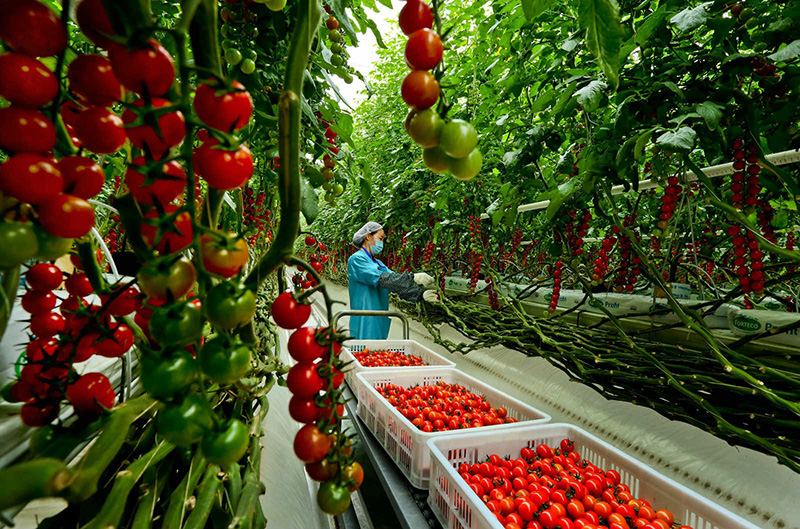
x: 424, y: 280
x: 431, y: 296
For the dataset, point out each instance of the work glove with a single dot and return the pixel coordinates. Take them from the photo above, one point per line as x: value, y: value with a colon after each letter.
x: 431, y: 296
x: 424, y: 280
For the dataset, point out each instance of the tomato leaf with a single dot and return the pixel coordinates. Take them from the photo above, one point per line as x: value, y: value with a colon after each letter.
x: 681, y: 140
x: 711, y: 112
x: 690, y: 18
x: 564, y: 191
x: 790, y: 51
x: 589, y: 96
x: 315, y: 176
x: 650, y: 25
x: 600, y: 19
x: 641, y: 143
x: 309, y: 202
x: 534, y: 8
x: 366, y: 189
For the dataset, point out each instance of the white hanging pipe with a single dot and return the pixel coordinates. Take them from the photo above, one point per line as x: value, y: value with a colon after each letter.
x: 714, y: 171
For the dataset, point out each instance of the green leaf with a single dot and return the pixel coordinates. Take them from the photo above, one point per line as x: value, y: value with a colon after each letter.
x: 711, y: 112
x: 366, y: 189
x: 589, y: 96
x: 309, y: 202
x: 534, y: 8
x: 564, y: 192
x: 625, y: 150
x: 315, y: 176
x: 600, y: 19
x: 650, y: 25
x: 543, y: 100
x: 375, y: 31
x: 681, y: 140
x: 690, y: 18
x: 790, y: 51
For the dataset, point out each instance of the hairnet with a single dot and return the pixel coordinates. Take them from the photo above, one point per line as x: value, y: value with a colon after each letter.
x: 366, y: 229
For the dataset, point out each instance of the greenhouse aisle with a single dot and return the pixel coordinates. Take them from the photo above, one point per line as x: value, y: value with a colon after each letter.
x: 748, y: 483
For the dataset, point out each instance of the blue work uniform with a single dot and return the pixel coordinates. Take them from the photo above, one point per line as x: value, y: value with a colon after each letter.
x: 364, y: 271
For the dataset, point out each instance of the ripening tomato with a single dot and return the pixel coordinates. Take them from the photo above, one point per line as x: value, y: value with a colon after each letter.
x: 144, y: 69
x: 227, y: 111
x: 167, y: 279
x: 82, y: 177
x: 322, y: 471
x: 30, y: 178
x: 414, y: 16
x: 224, y: 254
x: 94, y: 23
x: 166, y: 182
x: 26, y: 130
x: 420, y: 90
x: 288, y: 313
x: 25, y: 81
x: 171, y: 129
x: 176, y: 233
x: 91, y: 393
x: 423, y: 49
x: 223, y: 169
x: 30, y: 27
x: 92, y: 78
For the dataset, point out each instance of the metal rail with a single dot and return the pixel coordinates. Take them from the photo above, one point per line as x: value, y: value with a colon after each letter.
x: 384, y: 313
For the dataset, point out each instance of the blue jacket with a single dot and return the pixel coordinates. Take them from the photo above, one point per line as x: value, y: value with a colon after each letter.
x: 363, y: 272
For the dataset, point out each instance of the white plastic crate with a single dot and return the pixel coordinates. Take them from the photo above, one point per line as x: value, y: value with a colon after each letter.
x: 405, y: 443
x: 457, y: 507
x: 407, y: 347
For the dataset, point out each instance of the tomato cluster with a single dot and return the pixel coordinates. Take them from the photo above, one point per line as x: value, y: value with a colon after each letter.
x: 338, y: 54
x: 385, y: 358
x: 316, y: 402
x: 553, y: 488
x: 333, y: 189
x: 257, y: 218
x: 444, y: 407
x: 63, y: 339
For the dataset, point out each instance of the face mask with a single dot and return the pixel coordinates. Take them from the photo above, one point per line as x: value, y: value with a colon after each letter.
x: 376, y: 249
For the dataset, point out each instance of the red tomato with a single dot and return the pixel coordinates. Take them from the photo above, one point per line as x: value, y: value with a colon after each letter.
x: 303, y: 345
x: 613, y: 476
x: 94, y: 23
x: 166, y: 182
x: 32, y: 28
x: 423, y: 49
x: 82, y: 176
x: 30, y: 178
x: 288, y: 313
x: 100, y: 130
x: 44, y: 277
x: 79, y: 285
x: 176, y: 234
x: 128, y: 301
x: 67, y: 216
x: 304, y: 381
x: 117, y: 344
x: 35, y: 414
x: 310, y: 444
x: 567, y: 446
x: 223, y: 169
x: 25, y: 81
x: 92, y: 78
x: 38, y: 302
x: 26, y: 130
x: 666, y: 516
x: 91, y: 393
x: 171, y: 129
x: 303, y: 410
x: 414, y: 16
x: 228, y: 111
x: 149, y: 68
x: 46, y: 325
x: 420, y: 90
x: 69, y: 112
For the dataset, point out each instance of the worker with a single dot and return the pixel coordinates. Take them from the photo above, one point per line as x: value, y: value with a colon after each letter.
x: 371, y: 281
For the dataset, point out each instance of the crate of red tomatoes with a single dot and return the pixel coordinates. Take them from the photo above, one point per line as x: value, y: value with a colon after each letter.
x: 369, y: 355
x: 557, y: 476
x: 404, y: 409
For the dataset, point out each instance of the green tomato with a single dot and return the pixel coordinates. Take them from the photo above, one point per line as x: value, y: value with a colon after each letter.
x: 251, y: 54
x: 227, y: 44
x: 458, y: 138
x: 229, y: 306
x: 227, y: 446
x: 337, y: 61
x: 50, y: 246
x: 329, y: 198
x: 177, y: 324
x: 332, y: 498
x: 336, y: 47
x: 233, y: 56
x: 327, y: 186
x: 425, y: 128
x: 275, y: 5
x: 466, y: 168
x: 347, y: 78
x: 338, y: 189
x: 172, y: 373
x: 435, y: 159
x: 226, y: 30
x: 18, y: 243
x: 336, y: 36
x: 248, y: 66
x: 225, y: 361
x: 185, y: 423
